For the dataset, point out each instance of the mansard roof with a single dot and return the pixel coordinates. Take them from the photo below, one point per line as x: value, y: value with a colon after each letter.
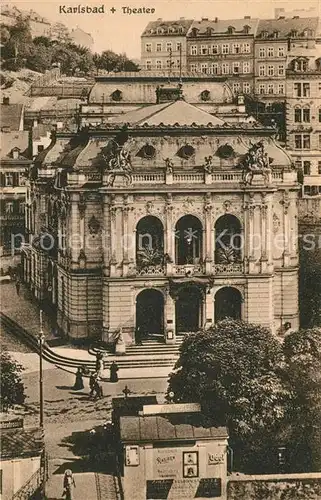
x: 177, y: 113
x: 220, y: 27
x: 178, y: 26
x: 285, y: 27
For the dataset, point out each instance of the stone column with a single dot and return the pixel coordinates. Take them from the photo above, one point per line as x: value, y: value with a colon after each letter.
x: 106, y: 236
x: 169, y: 316
x: 124, y: 240
x: 286, y: 226
x: 208, y: 239
x: 264, y: 235
x: 250, y: 237
x: 113, y: 242
x: 169, y: 241
x: 209, y: 308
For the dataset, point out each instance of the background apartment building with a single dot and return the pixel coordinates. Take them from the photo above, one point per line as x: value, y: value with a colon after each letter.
x: 223, y: 48
x: 163, y: 45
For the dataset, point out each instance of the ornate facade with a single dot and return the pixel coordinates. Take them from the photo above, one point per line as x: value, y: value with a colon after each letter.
x: 168, y: 218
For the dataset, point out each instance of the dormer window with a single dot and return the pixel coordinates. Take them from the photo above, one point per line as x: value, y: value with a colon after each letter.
x: 264, y: 34
x: 117, y: 95
x: 300, y: 65
x: 294, y: 33
x: 230, y: 30
x: 246, y: 28
x: 148, y: 152
x: 275, y: 34
x: 160, y: 31
x: 194, y: 32
x: 186, y: 151
x: 307, y: 33
x: 209, y: 31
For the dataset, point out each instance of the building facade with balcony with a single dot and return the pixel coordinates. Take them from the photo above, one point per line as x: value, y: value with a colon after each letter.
x: 274, y: 39
x: 224, y: 48
x: 163, y: 45
x: 15, y: 162
x: 167, y: 218
x: 303, y: 118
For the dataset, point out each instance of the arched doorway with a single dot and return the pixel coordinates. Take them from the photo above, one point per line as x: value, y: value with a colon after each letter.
x: 188, y: 240
x: 149, y: 242
x: 188, y: 309
x: 228, y: 239
x: 228, y: 303
x: 150, y: 312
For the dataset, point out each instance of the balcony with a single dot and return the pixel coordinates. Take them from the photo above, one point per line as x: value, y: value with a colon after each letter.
x: 229, y: 268
x: 152, y: 270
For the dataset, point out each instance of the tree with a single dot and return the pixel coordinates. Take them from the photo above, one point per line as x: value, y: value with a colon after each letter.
x: 12, y: 388
x: 234, y: 369
x: 302, y: 352
x: 40, y: 58
x: 310, y: 283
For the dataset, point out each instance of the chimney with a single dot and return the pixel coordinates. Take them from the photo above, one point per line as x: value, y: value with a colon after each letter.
x: 247, y: 17
x: 216, y: 20
x: 296, y: 17
x: 281, y: 17
x: 6, y: 100
x: 204, y: 18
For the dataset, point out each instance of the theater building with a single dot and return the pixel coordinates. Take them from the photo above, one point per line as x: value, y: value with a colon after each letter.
x: 168, y: 218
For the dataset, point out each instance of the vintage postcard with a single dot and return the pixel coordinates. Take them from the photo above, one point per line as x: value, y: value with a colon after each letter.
x: 160, y: 250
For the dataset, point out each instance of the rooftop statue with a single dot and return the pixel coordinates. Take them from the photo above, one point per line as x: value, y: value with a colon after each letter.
x: 118, y: 158
x: 208, y: 164
x: 255, y: 160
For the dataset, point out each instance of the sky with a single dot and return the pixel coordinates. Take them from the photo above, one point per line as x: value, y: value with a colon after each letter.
x: 121, y: 32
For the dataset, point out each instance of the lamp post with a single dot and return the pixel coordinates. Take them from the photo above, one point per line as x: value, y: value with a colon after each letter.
x: 41, y: 340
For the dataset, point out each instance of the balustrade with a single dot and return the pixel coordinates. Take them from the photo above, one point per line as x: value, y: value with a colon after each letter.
x: 148, y: 178
x: 153, y: 270
x: 229, y: 268
x: 191, y: 178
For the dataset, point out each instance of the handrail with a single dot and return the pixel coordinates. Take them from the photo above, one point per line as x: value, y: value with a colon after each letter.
x: 31, y: 486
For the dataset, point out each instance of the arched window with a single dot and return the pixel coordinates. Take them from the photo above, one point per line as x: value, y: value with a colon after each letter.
x: 149, y: 242
x: 188, y: 240
x: 117, y: 95
x: 147, y: 151
x: 228, y: 304
x: 228, y: 240
x: 186, y: 151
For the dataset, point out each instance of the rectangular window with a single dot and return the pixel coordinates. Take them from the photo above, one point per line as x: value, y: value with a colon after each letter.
x: 281, y: 70
x: 225, y: 69
x: 22, y: 180
x: 236, y: 48
x: 297, y: 89
x: 307, y: 168
x: 225, y: 48
x: 9, y: 207
x: 246, y: 67
x: 270, y: 70
x: 21, y: 207
x: 246, y: 88
x: 148, y: 64
x: 158, y: 64
x: 320, y: 141
x: 270, y: 52
x: 214, y: 69
x: 193, y: 50
x: 319, y: 167
x: 236, y: 87
x: 246, y: 48
x: 178, y: 46
x: 204, y: 50
x: 319, y: 115
x: 204, y: 68
x: 302, y: 141
x: 158, y: 47
x: 262, y: 52
x: 261, y: 88
x: 261, y: 70
x: 193, y: 68
x: 297, y: 115
x: 306, y: 90
x: 9, y: 179
x: 169, y: 63
x: 281, y: 88
x: 306, y: 115
x: 168, y: 46
x: 270, y: 88
x: 148, y: 47
x: 236, y: 68
x: 281, y: 51
x: 215, y: 49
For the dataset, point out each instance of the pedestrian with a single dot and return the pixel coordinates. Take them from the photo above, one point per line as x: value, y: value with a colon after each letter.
x: 18, y: 287
x: 98, y: 389
x: 99, y: 363
x: 92, y: 381
x: 138, y: 335
x: 68, y: 485
x: 113, y: 372
x: 79, y: 383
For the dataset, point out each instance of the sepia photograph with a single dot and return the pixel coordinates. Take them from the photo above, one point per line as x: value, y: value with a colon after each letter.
x: 160, y: 250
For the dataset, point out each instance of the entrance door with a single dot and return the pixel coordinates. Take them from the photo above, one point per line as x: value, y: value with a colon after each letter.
x: 150, y: 312
x: 228, y: 304
x: 188, y: 310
